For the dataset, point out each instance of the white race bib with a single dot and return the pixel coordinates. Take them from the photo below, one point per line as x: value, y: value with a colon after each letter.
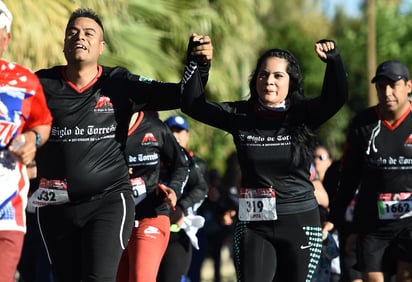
x: 395, y: 205
x: 50, y: 192
x: 139, y: 189
x: 257, y: 204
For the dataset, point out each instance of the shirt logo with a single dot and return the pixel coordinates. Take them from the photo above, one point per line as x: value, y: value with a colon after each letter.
x: 408, y: 141
x: 148, y: 138
x: 103, y: 105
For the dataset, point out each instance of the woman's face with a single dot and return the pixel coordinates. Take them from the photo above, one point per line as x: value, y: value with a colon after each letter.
x: 272, y: 84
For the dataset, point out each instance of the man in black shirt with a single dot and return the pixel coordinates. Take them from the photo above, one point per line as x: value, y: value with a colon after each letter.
x: 377, y: 168
x: 87, y: 209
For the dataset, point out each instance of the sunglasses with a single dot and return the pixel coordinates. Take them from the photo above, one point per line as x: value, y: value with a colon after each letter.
x: 321, y: 157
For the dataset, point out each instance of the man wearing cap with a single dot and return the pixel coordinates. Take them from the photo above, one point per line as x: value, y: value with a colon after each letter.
x: 180, y: 129
x: 378, y: 161
x: 24, y: 126
x: 185, y: 221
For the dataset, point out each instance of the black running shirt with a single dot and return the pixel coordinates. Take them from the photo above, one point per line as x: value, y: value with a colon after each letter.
x: 150, y: 147
x: 264, y: 144
x: 89, y: 131
x: 378, y: 161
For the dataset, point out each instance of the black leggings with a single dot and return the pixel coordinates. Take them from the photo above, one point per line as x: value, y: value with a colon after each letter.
x: 285, y: 250
x: 177, y: 258
x: 85, y: 241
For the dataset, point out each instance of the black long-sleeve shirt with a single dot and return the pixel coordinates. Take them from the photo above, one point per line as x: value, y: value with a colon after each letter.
x: 378, y: 163
x: 264, y: 144
x: 196, y: 187
x: 89, y: 131
x: 150, y: 147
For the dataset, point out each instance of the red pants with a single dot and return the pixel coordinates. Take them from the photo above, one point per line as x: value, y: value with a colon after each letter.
x: 11, y: 244
x: 141, y: 259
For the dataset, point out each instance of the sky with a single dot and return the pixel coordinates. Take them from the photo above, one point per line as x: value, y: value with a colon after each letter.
x: 352, y: 7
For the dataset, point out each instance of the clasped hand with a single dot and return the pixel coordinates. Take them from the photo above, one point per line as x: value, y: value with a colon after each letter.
x: 200, y: 48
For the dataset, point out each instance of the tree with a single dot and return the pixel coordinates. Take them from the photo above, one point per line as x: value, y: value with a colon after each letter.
x: 150, y: 38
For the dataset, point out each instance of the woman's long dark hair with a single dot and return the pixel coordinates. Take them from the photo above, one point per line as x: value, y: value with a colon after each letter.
x: 303, y: 138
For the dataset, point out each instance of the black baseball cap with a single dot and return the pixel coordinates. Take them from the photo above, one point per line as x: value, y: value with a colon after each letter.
x: 394, y: 70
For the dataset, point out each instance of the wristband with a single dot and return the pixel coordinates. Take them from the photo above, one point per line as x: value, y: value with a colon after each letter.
x: 38, y: 137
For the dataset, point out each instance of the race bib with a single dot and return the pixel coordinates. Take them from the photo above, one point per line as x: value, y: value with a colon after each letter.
x: 257, y: 204
x: 50, y: 192
x: 395, y: 205
x: 139, y: 189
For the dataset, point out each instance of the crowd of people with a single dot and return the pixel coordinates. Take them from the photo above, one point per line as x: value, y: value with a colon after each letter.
x: 95, y: 187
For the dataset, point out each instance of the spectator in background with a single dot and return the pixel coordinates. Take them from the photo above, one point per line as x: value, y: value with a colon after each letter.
x: 219, y: 210
x: 328, y: 269
x: 321, y: 162
x: 210, y: 210
x: 25, y: 126
x: 184, y: 220
x: 346, y: 243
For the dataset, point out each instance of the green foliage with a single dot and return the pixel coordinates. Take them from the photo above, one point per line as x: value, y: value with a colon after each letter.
x: 37, y: 35
x: 150, y: 38
x: 332, y: 132
x: 394, y: 30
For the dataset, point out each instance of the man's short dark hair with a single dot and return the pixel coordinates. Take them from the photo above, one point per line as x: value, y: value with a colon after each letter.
x: 85, y: 13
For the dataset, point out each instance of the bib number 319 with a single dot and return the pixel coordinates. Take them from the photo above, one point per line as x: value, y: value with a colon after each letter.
x: 257, y: 204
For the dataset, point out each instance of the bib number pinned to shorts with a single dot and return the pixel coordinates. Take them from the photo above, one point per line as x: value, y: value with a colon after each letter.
x: 395, y: 205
